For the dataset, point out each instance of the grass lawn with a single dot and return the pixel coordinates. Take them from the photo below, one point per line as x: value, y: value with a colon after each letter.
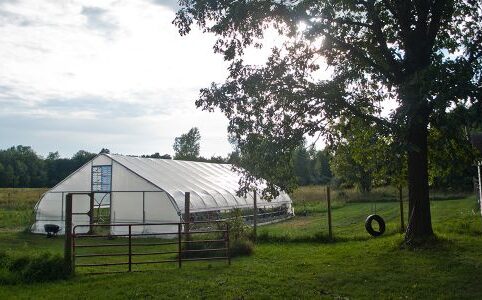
x: 293, y: 260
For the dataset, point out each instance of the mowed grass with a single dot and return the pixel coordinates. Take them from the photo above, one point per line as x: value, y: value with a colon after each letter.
x: 293, y: 260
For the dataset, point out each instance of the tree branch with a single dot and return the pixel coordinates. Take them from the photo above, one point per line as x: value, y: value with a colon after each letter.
x: 404, y: 18
x: 377, y: 25
x: 358, y: 53
x: 435, y: 21
x: 353, y: 23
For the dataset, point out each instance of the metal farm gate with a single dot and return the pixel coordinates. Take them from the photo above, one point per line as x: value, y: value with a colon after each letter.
x: 120, y: 247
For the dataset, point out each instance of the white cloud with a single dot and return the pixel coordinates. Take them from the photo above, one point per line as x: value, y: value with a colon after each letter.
x: 112, y: 73
x: 116, y: 63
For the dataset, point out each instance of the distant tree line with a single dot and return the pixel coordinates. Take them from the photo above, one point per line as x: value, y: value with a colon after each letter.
x: 360, y: 158
x: 20, y: 166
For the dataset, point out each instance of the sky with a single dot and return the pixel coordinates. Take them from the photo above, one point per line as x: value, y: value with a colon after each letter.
x: 104, y: 74
x: 86, y: 75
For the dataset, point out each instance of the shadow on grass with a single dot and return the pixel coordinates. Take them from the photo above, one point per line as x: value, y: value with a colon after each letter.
x: 320, y: 237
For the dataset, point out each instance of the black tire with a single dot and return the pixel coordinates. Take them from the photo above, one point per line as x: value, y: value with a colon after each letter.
x: 369, y: 227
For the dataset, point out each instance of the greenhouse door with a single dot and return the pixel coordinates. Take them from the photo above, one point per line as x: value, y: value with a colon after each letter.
x: 101, y: 187
x: 79, y: 209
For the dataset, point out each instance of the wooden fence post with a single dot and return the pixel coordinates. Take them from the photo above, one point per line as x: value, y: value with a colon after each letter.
x: 255, y: 216
x: 402, y: 220
x: 227, y: 244
x: 187, y: 214
x: 91, y: 213
x: 130, y: 248
x: 479, y: 164
x: 328, y: 201
x: 179, y: 245
x: 68, y: 234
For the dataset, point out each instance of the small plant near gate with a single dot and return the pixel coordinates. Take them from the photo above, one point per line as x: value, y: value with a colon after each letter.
x: 240, y: 237
x: 238, y: 230
x: 241, y: 248
x: 240, y: 234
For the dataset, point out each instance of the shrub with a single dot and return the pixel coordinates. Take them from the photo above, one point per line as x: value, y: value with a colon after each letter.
x: 18, y: 264
x: 241, y: 248
x: 202, y: 246
x: 28, y: 269
x: 46, y: 267
x: 238, y: 230
x: 4, y: 273
x: 3, y: 259
x: 240, y: 236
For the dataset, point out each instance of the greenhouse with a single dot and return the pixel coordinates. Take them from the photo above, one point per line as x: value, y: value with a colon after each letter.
x: 130, y: 189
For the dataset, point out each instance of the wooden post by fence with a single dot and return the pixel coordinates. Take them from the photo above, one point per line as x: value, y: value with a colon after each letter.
x: 187, y: 214
x: 227, y: 244
x: 68, y: 233
x: 328, y: 202
x: 91, y: 213
x: 402, y: 221
x: 130, y: 248
x: 479, y: 164
x: 179, y: 244
x: 255, y: 216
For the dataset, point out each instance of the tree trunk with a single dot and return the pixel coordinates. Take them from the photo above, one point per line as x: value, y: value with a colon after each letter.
x: 419, y: 226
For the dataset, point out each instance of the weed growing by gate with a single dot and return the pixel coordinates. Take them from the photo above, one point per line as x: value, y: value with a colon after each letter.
x: 240, y: 234
x: 240, y: 237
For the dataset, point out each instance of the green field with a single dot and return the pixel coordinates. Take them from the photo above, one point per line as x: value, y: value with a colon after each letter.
x: 16, y: 208
x: 293, y: 259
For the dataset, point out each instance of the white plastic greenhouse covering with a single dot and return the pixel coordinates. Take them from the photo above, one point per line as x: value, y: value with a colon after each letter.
x: 146, y: 190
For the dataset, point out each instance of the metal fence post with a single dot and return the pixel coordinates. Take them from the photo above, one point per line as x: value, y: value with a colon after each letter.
x: 68, y: 234
x: 130, y: 248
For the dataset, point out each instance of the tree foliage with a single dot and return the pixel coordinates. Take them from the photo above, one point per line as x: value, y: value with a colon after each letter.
x: 20, y: 166
x: 157, y: 155
x: 423, y: 55
x: 311, y: 166
x: 186, y: 146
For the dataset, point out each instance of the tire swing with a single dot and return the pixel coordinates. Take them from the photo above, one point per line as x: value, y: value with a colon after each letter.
x: 369, y: 227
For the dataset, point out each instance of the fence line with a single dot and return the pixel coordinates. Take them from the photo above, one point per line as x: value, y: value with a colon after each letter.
x: 130, y: 253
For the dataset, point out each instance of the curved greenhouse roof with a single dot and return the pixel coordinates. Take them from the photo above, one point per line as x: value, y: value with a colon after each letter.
x: 212, y: 186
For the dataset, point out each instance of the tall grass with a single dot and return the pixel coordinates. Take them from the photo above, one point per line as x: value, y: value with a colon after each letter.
x: 20, y: 198
x: 16, y: 207
x: 306, y: 195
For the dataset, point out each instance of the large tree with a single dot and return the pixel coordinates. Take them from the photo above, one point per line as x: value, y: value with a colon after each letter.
x: 423, y: 56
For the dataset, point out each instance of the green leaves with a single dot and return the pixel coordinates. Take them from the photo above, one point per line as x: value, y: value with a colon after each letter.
x: 186, y: 146
x: 419, y: 58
